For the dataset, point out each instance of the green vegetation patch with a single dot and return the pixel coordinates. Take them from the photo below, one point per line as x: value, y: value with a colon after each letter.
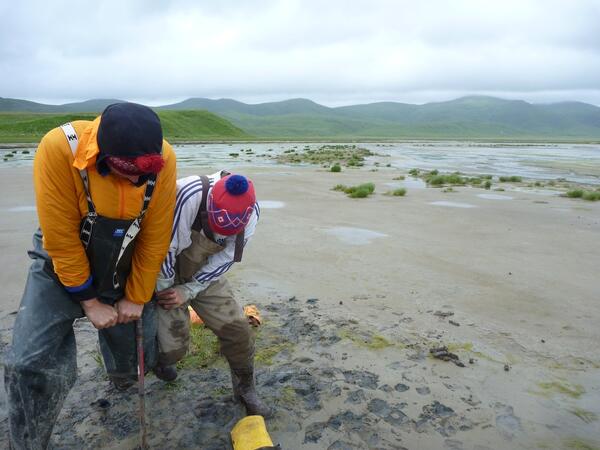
x: 360, y: 191
x: 204, y: 348
x: 348, y: 155
x: 511, y: 179
x: 591, y: 196
x: 400, y: 192
x: 442, y: 180
x: 336, y: 168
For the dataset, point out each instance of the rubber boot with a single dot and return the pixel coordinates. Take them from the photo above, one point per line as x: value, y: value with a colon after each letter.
x: 166, y: 373
x: 244, y: 390
x: 121, y: 383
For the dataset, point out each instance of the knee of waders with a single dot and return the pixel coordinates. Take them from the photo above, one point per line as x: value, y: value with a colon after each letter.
x: 171, y: 357
x: 235, y: 330
x: 38, y: 379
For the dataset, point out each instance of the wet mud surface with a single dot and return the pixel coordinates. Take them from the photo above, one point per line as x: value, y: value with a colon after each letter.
x: 334, y: 384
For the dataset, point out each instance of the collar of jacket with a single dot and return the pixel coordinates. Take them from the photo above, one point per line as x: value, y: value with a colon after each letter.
x: 87, y: 149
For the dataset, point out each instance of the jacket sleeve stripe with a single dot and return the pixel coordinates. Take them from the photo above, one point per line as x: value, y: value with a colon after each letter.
x: 204, y: 277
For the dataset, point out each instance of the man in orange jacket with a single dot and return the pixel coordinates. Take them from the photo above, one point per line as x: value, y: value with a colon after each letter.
x: 105, y: 193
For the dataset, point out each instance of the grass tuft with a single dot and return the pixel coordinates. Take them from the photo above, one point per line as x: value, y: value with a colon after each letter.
x: 204, y: 348
x: 360, y: 191
x: 511, y: 179
x: 400, y: 192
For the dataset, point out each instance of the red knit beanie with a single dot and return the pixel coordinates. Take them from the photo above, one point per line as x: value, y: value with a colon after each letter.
x: 230, y: 204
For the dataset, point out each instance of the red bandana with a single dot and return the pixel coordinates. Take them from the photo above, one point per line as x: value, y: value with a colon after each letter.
x: 137, y: 166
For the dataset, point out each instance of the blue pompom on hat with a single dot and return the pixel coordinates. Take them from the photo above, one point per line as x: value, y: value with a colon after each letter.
x: 236, y: 185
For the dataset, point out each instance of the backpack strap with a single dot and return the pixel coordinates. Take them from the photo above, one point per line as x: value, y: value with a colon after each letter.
x: 239, y: 246
x: 86, y: 229
x: 135, y: 226
x: 201, y: 220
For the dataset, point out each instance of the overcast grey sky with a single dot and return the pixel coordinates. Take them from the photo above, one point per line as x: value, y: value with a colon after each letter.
x: 332, y: 51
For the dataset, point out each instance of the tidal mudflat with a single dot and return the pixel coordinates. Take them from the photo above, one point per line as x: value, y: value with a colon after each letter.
x: 344, y: 355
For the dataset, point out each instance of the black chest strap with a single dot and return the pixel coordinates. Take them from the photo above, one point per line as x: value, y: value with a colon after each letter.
x: 201, y: 222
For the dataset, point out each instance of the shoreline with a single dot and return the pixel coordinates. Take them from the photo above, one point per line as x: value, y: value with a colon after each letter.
x: 516, y: 142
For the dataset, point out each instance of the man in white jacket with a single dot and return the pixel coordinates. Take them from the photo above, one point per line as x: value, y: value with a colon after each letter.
x: 215, y: 216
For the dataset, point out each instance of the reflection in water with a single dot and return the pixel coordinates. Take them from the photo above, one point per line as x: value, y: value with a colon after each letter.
x: 411, y: 183
x: 26, y: 208
x: 354, y: 236
x: 494, y: 197
x: 453, y: 204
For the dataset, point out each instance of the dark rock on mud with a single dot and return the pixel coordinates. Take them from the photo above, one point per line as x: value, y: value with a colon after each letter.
x: 400, y: 387
x: 379, y: 407
x: 445, y: 355
x: 361, y: 378
x: 356, y: 397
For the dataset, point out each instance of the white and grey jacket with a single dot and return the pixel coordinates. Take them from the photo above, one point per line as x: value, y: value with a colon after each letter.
x: 187, y: 203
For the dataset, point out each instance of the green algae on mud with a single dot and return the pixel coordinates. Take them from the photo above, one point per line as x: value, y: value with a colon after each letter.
x: 586, y: 416
x: 366, y: 339
x: 204, y: 348
x: 265, y: 355
x: 580, y: 444
x: 552, y: 388
x: 269, y: 344
x: 288, y: 395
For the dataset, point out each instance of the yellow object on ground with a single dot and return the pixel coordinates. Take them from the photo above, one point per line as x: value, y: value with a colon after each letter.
x: 250, y: 433
x: 251, y: 312
x: 253, y: 315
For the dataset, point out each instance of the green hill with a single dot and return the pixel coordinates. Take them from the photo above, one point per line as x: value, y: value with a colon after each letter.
x: 177, y: 126
x: 474, y: 117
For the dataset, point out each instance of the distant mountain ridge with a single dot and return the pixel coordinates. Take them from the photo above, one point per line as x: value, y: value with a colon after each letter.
x: 464, y: 118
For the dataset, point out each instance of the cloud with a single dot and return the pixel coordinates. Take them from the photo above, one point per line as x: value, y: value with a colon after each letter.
x: 331, y: 51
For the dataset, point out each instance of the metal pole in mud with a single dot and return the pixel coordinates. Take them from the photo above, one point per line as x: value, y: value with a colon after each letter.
x: 139, y: 339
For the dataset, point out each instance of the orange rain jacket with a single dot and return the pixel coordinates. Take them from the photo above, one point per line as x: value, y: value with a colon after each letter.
x: 61, y: 205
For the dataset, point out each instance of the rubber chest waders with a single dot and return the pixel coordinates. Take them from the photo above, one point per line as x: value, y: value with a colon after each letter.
x: 40, y: 366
